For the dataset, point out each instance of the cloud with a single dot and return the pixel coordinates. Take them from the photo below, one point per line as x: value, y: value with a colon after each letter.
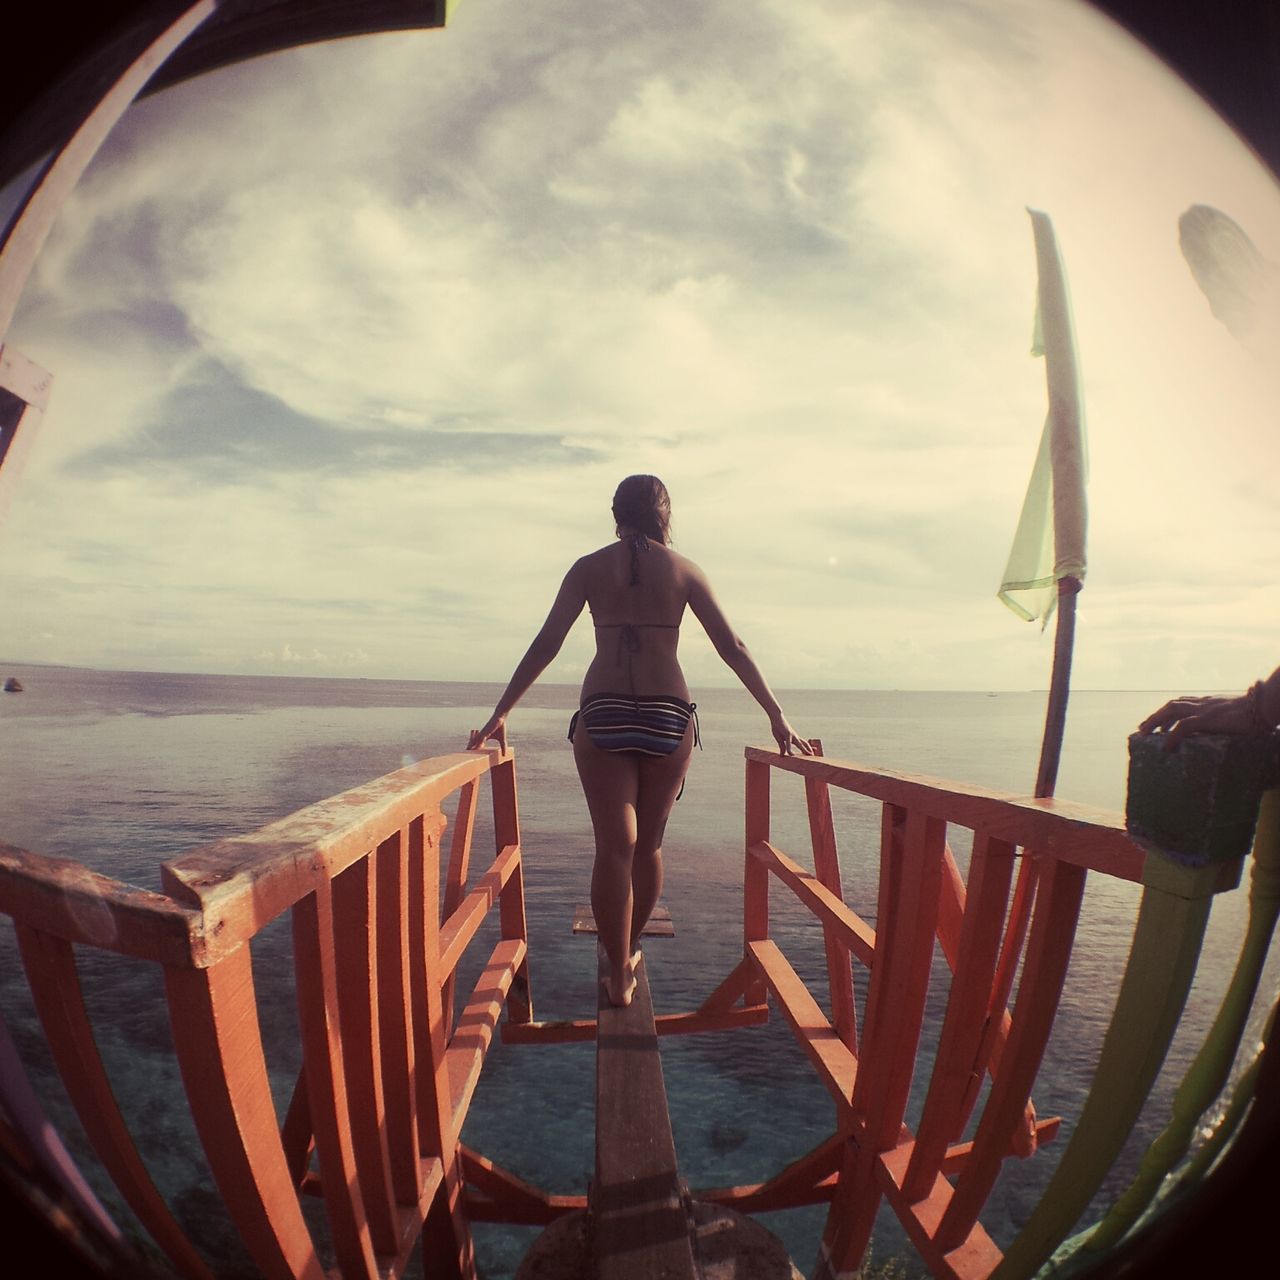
x: 352, y: 344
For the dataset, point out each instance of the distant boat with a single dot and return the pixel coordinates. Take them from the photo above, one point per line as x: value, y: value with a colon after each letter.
x: 13, y: 685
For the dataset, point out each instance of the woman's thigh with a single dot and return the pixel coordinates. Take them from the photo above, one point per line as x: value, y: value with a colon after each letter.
x: 660, y: 780
x: 610, y: 782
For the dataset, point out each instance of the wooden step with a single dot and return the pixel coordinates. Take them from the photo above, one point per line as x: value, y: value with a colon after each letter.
x: 659, y: 924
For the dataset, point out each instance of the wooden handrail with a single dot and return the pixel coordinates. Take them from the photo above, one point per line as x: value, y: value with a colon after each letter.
x: 241, y: 884
x: 1080, y: 834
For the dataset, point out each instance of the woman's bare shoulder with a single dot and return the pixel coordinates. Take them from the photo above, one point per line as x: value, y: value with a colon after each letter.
x: 685, y: 567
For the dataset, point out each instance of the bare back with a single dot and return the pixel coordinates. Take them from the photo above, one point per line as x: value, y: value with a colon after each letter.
x: 637, y: 599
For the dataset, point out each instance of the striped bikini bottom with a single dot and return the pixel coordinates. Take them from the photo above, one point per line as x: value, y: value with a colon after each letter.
x: 651, y: 724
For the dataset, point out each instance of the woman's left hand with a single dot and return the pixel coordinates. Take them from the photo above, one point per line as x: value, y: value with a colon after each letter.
x: 787, y: 738
x: 495, y: 728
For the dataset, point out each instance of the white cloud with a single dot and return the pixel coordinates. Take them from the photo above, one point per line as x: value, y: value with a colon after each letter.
x: 777, y: 255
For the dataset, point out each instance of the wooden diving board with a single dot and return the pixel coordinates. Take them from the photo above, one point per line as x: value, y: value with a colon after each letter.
x: 660, y: 923
x: 639, y: 1211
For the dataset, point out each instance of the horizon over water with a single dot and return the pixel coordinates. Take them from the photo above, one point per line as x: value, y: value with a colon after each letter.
x: 125, y: 770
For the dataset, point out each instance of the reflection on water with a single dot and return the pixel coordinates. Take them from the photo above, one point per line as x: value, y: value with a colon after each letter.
x: 124, y: 771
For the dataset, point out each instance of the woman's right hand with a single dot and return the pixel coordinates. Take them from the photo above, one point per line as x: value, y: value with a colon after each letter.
x: 1181, y: 717
x: 786, y: 737
x: 495, y: 727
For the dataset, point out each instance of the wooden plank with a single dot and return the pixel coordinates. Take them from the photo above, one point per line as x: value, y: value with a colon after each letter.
x: 639, y: 1225
x: 327, y: 1098
x: 903, y: 962
x: 447, y: 1235
x: 959, y: 1154
x: 495, y: 1194
x: 851, y: 1217
x: 60, y: 896
x: 996, y: 1035
x: 395, y: 1017
x: 506, y: 830
x: 659, y: 925
x: 1074, y: 833
x: 942, y: 1120
x: 461, y: 926
x: 460, y: 849
x: 755, y: 877
x: 972, y: 1258
x: 474, y: 1031
x: 826, y: 866
x: 357, y: 982
x: 455, y: 881
x: 219, y: 1046
x: 296, y: 1136
x: 811, y: 1179
x: 843, y: 922
x: 1048, y: 952
x: 836, y: 1065
x: 244, y: 882
x: 579, y: 1030
x: 55, y: 989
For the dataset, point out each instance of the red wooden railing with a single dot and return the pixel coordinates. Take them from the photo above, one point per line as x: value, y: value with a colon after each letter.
x: 387, y: 1076
x: 936, y: 1184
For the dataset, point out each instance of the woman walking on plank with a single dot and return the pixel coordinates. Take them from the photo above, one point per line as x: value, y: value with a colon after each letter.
x: 635, y: 729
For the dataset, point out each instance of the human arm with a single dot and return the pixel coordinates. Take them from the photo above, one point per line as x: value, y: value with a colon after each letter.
x: 1257, y: 710
x: 546, y: 644
x: 736, y: 656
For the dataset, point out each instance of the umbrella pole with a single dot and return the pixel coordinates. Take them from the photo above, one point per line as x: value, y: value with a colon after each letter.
x: 1055, y: 719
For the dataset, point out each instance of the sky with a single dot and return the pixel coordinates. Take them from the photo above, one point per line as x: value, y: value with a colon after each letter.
x: 351, y: 345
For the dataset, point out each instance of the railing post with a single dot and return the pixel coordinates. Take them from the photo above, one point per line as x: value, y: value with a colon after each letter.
x: 506, y: 829
x: 826, y: 866
x: 446, y: 1235
x: 755, y: 879
x: 219, y: 1046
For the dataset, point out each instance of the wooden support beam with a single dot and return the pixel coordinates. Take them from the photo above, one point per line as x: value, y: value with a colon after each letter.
x: 835, y: 1062
x: 578, y: 1030
x: 495, y: 1194
x: 474, y: 1031
x: 1060, y: 890
x: 844, y: 924
x: 55, y: 988
x: 990, y: 874
x: 826, y: 866
x: 219, y: 1046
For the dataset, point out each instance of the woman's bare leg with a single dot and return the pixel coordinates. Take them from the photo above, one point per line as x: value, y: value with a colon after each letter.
x: 660, y: 781
x: 610, y: 782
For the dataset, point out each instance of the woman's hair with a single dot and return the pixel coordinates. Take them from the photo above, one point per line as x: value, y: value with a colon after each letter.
x: 642, y: 503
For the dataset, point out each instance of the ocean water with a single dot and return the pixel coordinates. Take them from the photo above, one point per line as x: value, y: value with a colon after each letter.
x: 124, y: 771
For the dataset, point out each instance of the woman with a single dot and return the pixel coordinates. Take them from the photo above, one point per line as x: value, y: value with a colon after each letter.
x: 636, y: 728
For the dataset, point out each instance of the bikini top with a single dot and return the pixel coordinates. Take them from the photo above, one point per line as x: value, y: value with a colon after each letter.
x: 629, y: 632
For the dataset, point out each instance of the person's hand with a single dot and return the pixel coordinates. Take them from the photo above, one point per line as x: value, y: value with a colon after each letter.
x: 496, y: 728
x: 786, y: 738
x: 1216, y: 713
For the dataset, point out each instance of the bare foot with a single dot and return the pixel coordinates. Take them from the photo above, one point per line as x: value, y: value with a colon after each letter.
x: 636, y: 956
x: 628, y: 991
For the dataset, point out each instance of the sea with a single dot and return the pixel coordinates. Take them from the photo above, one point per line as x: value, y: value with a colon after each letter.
x: 126, y: 770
